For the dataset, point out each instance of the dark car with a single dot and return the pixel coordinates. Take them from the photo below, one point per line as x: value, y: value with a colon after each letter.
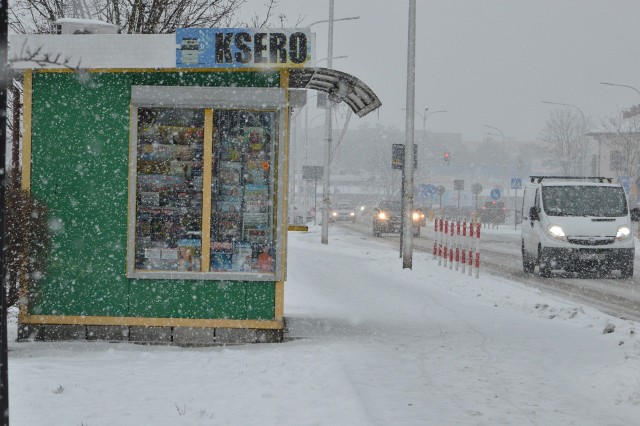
x: 387, y: 218
x: 493, y: 212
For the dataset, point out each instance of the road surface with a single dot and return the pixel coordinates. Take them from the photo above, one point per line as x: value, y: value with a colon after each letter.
x: 500, y: 255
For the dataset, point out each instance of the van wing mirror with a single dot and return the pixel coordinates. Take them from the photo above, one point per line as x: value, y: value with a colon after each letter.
x: 635, y: 214
x: 533, y: 214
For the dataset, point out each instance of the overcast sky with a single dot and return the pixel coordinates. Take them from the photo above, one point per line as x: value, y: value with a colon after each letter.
x: 484, y: 61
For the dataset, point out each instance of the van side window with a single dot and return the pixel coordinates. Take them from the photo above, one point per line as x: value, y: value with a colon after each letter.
x: 537, y: 202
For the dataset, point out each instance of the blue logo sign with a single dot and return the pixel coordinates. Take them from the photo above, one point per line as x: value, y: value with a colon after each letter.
x: 243, y: 47
x: 516, y: 183
x: 428, y: 190
x: 495, y: 194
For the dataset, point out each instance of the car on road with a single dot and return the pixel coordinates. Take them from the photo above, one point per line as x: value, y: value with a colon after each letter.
x: 494, y: 212
x: 342, y: 212
x: 387, y: 218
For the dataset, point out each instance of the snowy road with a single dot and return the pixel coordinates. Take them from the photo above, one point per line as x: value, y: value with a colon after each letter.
x: 500, y: 253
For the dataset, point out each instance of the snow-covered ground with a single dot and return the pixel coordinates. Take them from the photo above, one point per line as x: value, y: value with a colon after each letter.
x: 374, y: 345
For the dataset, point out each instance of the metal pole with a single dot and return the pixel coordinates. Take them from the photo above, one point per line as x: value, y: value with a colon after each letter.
x: 407, y: 253
x: 327, y: 135
x: 315, y: 201
x: 4, y: 347
x: 515, y: 211
x: 402, y: 218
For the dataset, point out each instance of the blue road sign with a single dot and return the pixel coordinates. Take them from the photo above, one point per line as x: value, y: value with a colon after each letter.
x: 495, y: 194
x: 427, y: 190
x: 516, y: 183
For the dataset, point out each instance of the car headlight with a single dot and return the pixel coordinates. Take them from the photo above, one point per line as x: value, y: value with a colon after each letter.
x: 415, y: 216
x: 623, y: 233
x: 556, y: 232
x: 382, y: 216
x: 334, y: 213
x: 352, y: 214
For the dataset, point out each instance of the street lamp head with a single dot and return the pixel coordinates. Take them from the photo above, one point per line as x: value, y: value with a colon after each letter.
x: 621, y: 85
x: 348, y: 18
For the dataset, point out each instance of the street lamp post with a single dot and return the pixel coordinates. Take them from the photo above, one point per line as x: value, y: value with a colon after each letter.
x: 504, y: 145
x: 326, y: 182
x: 424, y: 117
x: 308, y: 123
x: 324, y: 239
x: 407, y: 171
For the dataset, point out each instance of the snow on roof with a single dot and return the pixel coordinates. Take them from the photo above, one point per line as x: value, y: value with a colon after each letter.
x: 79, y: 21
x: 93, y: 50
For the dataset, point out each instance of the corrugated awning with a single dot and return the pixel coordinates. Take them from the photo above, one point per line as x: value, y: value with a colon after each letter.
x: 339, y: 85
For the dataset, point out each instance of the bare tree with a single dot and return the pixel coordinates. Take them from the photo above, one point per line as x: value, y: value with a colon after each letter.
x: 565, y: 134
x: 388, y: 179
x: 623, y: 138
x: 134, y: 16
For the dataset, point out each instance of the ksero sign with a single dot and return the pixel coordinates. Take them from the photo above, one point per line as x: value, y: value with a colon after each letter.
x: 242, y: 47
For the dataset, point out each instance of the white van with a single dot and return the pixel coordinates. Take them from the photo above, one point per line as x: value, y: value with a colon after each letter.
x: 577, y: 224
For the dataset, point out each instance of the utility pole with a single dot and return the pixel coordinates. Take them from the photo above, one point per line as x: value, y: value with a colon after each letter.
x: 407, y: 171
x: 327, y: 135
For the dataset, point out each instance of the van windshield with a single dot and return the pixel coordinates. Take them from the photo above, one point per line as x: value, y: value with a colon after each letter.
x: 601, y: 201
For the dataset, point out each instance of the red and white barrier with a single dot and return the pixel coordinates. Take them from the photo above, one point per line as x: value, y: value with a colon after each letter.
x: 452, y: 244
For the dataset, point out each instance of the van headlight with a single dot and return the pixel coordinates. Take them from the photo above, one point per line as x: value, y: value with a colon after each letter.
x: 623, y: 233
x: 382, y: 216
x: 555, y: 231
x: 416, y: 216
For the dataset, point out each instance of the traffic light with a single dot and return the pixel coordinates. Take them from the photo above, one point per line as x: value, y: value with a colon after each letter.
x: 446, y: 157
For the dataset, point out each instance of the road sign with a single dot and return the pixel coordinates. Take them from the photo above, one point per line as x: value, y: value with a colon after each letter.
x: 458, y: 184
x: 516, y: 183
x: 312, y: 172
x: 427, y: 190
x: 441, y: 190
x: 495, y: 194
x: 476, y: 188
x: 397, y: 156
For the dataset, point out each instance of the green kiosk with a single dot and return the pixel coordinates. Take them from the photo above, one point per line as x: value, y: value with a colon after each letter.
x: 163, y: 162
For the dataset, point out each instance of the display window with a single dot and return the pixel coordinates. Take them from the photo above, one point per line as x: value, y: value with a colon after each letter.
x: 204, y: 182
x: 170, y: 147
x: 242, y: 210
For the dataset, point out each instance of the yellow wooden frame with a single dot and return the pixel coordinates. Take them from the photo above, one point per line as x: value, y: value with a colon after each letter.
x: 276, y: 324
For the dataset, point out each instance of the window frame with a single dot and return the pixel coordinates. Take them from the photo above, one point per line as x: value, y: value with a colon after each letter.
x: 211, y: 99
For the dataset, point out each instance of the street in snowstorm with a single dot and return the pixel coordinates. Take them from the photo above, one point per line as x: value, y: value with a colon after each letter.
x: 345, y: 212
x: 367, y: 343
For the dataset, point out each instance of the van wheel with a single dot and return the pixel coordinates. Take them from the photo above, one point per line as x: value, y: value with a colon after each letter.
x: 544, y: 267
x: 527, y: 265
